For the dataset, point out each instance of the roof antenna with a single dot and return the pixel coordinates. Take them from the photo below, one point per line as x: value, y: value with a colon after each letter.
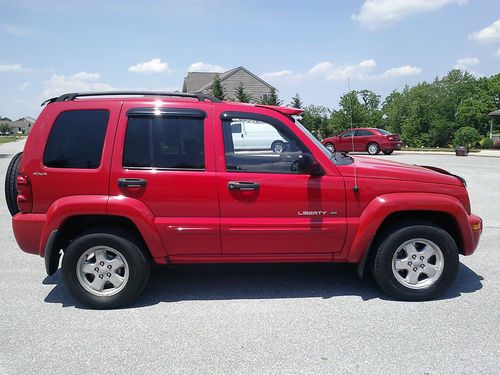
x: 355, y: 188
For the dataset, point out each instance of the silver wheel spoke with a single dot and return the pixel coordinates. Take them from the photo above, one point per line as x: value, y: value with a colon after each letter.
x: 100, y: 256
x: 412, y: 277
x: 98, y: 284
x: 410, y: 249
x: 116, y: 263
x: 116, y: 280
x: 430, y: 270
x: 427, y: 252
x: 401, y: 264
x: 88, y: 268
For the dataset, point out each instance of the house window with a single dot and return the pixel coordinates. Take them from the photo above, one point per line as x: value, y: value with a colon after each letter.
x: 266, y: 96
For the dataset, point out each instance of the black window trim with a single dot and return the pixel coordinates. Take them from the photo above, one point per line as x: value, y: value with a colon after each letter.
x: 166, y: 112
x: 231, y: 115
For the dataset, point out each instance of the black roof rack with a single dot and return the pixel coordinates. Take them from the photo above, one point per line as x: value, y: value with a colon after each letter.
x: 71, y: 96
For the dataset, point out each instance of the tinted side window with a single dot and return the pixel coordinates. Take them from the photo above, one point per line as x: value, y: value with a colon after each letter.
x: 173, y: 143
x: 348, y: 134
x: 76, y: 139
x: 363, y: 133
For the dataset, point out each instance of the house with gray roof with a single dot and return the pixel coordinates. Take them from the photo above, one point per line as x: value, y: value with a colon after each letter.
x: 201, y: 82
x: 21, y: 126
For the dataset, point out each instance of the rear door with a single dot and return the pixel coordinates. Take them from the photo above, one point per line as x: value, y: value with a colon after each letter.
x: 267, y: 207
x: 163, y: 158
x: 361, y: 139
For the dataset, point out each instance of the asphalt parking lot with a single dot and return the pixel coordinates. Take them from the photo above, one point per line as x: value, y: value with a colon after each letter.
x: 266, y: 319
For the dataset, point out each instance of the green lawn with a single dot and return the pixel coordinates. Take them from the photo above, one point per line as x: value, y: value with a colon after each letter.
x: 6, y: 139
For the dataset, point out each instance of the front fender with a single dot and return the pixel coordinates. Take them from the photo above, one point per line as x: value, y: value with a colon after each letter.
x: 363, y: 229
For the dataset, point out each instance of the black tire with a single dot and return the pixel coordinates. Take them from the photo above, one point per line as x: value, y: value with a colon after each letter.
x: 382, y: 266
x: 137, y: 262
x: 388, y: 152
x: 372, y: 148
x: 277, y: 147
x: 10, y: 184
x: 330, y: 147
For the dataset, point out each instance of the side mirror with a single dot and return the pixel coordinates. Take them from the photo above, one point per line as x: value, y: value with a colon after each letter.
x: 307, y: 165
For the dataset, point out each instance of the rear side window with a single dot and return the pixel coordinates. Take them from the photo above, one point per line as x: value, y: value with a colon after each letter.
x: 76, y: 140
x: 170, y: 143
x: 363, y: 133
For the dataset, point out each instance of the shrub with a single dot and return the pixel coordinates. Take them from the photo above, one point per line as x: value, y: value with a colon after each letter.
x: 487, y: 143
x: 466, y: 136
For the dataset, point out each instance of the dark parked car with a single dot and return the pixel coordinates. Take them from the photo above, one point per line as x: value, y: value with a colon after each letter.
x: 371, y: 140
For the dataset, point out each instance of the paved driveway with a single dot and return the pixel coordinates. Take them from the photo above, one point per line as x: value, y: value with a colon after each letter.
x: 266, y: 319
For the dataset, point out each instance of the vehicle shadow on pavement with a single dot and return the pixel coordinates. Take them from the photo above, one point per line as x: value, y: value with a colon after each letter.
x: 258, y: 281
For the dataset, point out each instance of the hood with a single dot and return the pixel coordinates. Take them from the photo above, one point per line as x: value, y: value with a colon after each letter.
x: 368, y: 167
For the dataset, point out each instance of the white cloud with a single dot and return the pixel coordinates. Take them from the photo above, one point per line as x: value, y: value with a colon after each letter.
x: 490, y: 33
x: 321, y: 68
x: 60, y: 84
x: 153, y: 66
x: 280, y: 74
x: 13, y: 68
x: 204, y: 67
x: 330, y: 71
x: 406, y: 70
x: 465, y: 62
x: 379, y: 13
x: 498, y: 53
x: 23, y: 86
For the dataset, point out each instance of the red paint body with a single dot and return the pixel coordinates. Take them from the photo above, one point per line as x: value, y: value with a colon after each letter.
x: 362, y: 138
x: 192, y: 216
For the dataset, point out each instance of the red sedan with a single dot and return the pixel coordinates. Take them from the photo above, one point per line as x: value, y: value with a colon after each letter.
x: 371, y: 140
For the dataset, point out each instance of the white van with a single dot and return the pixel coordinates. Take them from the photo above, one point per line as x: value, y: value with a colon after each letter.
x: 255, y: 135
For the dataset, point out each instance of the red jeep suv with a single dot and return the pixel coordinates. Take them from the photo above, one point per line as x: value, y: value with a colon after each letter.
x: 115, y: 182
x: 371, y: 140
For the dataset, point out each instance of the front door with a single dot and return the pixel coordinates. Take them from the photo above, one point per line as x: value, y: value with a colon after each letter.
x: 164, y: 159
x: 266, y: 206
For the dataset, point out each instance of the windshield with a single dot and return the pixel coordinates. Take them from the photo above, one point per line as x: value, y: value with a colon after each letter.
x: 335, y: 157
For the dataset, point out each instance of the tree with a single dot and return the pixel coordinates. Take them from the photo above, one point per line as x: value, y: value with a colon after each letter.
x: 315, y: 119
x: 473, y: 111
x: 371, y: 104
x: 296, y: 102
x: 272, y: 98
x: 4, y: 128
x: 466, y: 136
x: 217, y: 89
x: 241, y: 95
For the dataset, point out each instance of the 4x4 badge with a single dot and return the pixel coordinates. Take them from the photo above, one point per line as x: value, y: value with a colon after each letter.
x: 39, y: 173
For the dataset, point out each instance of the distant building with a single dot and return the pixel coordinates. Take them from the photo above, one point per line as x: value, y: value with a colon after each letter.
x: 23, y: 125
x: 202, y: 82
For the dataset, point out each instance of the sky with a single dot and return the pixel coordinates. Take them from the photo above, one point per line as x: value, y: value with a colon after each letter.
x: 48, y: 48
